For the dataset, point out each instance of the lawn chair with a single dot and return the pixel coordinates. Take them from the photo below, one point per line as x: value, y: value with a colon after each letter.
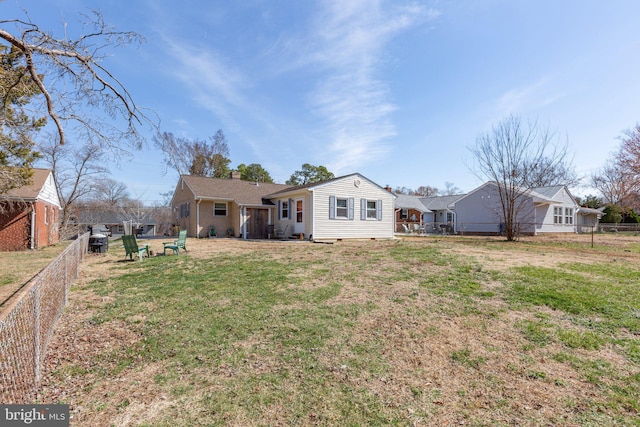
x: 131, y: 247
x: 177, y: 244
x: 281, y: 233
x: 406, y: 228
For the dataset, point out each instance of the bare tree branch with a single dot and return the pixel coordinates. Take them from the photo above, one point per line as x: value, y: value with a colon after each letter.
x: 57, y: 64
x: 518, y: 158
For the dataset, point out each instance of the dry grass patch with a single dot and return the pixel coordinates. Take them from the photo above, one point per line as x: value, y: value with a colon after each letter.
x: 410, y: 332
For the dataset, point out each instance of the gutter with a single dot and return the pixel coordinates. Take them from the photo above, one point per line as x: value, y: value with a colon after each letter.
x: 33, y: 226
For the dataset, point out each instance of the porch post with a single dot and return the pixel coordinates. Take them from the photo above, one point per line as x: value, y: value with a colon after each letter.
x: 243, y: 220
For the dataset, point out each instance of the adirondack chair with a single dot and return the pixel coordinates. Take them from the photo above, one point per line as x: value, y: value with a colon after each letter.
x: 131, y: 247
x: 177, y: 244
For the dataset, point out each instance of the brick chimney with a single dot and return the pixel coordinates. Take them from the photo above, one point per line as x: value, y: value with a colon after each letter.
x: 388, y: 188
x: 234, y: 175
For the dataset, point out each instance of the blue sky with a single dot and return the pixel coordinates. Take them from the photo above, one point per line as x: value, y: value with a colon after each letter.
x: 395, y: 90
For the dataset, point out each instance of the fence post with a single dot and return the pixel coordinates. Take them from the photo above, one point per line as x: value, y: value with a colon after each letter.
x: 36, y: 331
x: 66, y: 278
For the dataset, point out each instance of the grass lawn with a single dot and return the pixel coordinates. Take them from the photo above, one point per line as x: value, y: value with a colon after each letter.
x: 448, y: 331
x: 16, y: 268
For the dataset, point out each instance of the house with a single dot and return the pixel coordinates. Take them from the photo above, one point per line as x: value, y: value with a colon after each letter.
x: 348, y: 207
x: 139, y: 220
x: 436, y: 212
x: 588, y: 219
x: 231, y: 206
x: 539, y: 210
x: 351, y: 206
x: 29, y: 215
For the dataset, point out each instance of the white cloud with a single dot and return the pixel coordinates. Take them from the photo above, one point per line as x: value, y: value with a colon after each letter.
x: 347, y: 44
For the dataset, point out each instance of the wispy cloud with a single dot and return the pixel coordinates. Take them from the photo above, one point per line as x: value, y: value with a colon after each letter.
x: 214, y: 85
x: 533, y: 96
x: 347, y: 45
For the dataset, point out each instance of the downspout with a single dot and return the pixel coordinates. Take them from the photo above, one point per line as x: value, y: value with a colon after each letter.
x: 33, y: 226
x: 198, y: 218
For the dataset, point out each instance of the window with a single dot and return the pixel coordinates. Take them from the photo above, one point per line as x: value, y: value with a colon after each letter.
x: 219, y: 209
x: 46, y: 214
x: 404, y: 213
x: 342, y: 208
x: 298, y: 210
x: 185, y: 210
x: 568, y: 215
x: 284, y: 210
x: 557, y: 215
x: 372, y: 209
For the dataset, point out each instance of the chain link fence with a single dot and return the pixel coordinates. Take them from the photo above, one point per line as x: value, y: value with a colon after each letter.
x: 27, y: 321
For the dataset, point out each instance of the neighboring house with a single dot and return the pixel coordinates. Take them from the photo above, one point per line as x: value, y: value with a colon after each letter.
x: 29, y: 215
x: 410, y: 211
x: 347, y: 207
x: 441, y: 216
x: 540, y: 210
x: 229, y: 206
x: 588, y: 219
x: 434, y: 212
x: 139, y: 221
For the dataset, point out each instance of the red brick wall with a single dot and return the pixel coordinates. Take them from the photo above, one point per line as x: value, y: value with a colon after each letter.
x: 14, y: 227
x: 15, y: 233
x: 46, y: 230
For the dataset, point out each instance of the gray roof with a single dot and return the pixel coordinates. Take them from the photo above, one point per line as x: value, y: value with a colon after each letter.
x: 404, y: 201
x: 440, y: 203
x: 244, y: 193
x: 548, y: 192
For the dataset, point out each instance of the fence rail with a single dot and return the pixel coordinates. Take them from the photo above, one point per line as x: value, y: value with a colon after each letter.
x: 492, y: 228
x: 28, y: 319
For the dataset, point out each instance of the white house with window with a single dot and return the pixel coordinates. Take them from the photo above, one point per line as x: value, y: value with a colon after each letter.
x: 348, y: 207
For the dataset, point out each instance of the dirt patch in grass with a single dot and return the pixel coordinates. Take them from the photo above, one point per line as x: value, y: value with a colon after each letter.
x: 418, y: 353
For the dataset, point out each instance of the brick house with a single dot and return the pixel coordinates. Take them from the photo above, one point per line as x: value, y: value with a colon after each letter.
x: 29, y: 215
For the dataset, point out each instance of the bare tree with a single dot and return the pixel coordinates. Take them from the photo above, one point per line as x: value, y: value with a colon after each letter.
x: 616, y: 183
x: 73, y: 83
x: 76, y: 171
x: 629, y: 153
x: 426, y: 191
x: 110, y: 191
x: 450, y: 189
x: 619, y: 179
x: 195, y: 157
x: 511, y: 155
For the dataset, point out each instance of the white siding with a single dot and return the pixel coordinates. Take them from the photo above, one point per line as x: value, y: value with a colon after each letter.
x: 49, y: 193
x: 290, y: 224
x: 544, y: 215
x: 356, y: 228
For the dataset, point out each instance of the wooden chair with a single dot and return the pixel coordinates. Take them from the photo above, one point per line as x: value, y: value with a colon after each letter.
x: 131, y: 247
x: 177, y: 244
